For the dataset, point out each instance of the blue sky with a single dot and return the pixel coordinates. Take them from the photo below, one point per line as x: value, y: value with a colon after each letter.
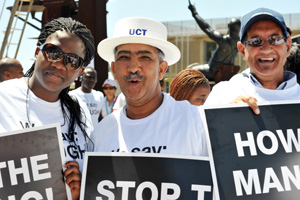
x: 162, y: 10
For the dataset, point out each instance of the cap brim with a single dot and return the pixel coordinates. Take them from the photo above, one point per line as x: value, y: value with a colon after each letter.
x: 106, y: 47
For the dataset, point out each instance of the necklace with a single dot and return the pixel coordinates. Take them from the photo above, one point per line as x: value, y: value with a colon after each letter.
x: 27, y: 102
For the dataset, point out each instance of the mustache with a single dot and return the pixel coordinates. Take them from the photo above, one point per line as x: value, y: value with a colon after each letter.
x: 134, y: 76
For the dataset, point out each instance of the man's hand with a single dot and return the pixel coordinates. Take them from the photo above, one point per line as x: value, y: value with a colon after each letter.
x: 73, y: 178
x: 251, y: 101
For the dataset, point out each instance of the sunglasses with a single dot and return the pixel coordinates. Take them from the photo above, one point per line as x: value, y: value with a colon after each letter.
x: 54, y: 53
x: 273, y: 40
x: 109, y: 88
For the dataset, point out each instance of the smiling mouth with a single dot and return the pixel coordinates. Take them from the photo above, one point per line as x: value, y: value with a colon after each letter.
x: 266, y: 60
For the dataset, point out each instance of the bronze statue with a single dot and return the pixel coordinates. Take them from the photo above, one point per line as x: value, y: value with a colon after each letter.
x: 226, y: 51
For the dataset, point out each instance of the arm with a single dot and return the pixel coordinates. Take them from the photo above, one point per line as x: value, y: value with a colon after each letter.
x: 214, y: 35
x: 73, y: 178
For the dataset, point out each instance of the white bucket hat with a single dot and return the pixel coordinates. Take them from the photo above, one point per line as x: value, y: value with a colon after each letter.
x: 139, y: 30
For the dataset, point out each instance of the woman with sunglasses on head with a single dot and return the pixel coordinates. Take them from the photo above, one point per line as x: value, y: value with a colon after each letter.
x: 109, y: 89
x: 64, y: 48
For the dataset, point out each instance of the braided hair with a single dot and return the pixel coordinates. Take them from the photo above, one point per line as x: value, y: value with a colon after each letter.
x: 68, y: 102
x: 185, y: 83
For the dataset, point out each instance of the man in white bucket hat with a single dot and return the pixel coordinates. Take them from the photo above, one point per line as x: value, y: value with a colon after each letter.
x: 151, y: 121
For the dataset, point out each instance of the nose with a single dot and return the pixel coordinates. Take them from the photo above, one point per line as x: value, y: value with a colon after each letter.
x: 134, y: 65
x: 58, y: 64
x: 266, y: 46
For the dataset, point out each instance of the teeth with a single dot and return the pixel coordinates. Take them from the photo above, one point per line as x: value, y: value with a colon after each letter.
x: 267, y: 59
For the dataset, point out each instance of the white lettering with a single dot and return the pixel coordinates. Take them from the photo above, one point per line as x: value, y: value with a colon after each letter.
x: 125, y: 185
x: 287, y: 175
x: 287, y: 143
x: 36, y: 168
x: 269, y: 176
x: 144, y: 185
x: 2, y: 165
x: 13, y: 172
x: 253, y: 179
x: 201, y: 189
x: 260, y: 142
x: 170, y: 186
x: 103, y: 191
x: 240, y: 144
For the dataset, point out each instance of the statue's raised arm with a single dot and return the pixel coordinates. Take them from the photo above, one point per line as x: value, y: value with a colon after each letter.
x: 226, y: 50
x: 205, y: 27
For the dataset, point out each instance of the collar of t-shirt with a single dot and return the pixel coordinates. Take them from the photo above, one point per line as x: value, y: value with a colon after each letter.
x: 289, y: 78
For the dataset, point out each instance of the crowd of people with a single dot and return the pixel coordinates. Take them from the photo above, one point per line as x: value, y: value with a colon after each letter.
x: 140, y: 117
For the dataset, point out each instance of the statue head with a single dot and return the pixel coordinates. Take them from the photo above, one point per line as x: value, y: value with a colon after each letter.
x: 234, y: 27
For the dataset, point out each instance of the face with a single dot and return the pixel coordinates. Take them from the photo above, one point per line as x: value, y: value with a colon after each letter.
x: 266, y: 62
x: 50, y: 78
x: 200, y: 95
x: 89, y: 79
x: 16, y: 72
x: 109, y: 90
x: 142, y: 60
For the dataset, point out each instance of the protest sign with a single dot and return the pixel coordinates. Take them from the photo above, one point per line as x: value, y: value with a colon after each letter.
x: 31, y: 163
x: 145, y: 176
x: 255, y: 156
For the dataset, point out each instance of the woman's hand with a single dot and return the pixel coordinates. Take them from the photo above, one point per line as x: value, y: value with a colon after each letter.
x: 73, y: 178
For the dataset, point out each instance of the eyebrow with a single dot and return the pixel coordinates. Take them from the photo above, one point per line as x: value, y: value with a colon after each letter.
x: 138, y: 53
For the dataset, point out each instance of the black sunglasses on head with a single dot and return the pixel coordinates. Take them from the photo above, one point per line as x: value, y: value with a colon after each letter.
x: 54, y: 53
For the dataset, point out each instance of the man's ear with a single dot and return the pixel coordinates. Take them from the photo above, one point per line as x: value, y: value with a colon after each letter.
x: 288, y: 45
x: 241, y: 48
x: 6, y: 75
x: 112, y: 65
x: 163, y: 66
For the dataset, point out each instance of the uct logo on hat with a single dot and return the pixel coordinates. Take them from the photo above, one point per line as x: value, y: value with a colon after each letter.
x: 137, y: 31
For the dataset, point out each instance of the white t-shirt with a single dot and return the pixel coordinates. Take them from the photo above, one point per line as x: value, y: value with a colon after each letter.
x: 94, y: 101
x: 106, y: 108
x: 13, y: 116
x: 121, y: 101
x: 241, y: 84
x: 174, y: 128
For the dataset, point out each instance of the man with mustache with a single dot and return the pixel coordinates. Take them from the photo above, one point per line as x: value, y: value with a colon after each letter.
x: 151, y: 121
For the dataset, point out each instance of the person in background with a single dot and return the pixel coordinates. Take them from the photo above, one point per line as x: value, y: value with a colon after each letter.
x: 109, y: 88
x: 121, y: 101
x: 64, y: 48
x: 264, y: 45
x: 191, y: 85
x: 139, y: 58
x: 86, y: 94
x: 293, y: 61
x: 10, y: 68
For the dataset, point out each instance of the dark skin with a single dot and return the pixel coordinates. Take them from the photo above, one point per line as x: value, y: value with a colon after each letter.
x: 89, y: 80
x: 49, y: 79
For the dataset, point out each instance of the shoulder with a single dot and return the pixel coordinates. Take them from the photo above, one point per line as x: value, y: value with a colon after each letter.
x: 12, y: 85
x: 97, y: 93
x: 75, y: 91
x: 105, y: 127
